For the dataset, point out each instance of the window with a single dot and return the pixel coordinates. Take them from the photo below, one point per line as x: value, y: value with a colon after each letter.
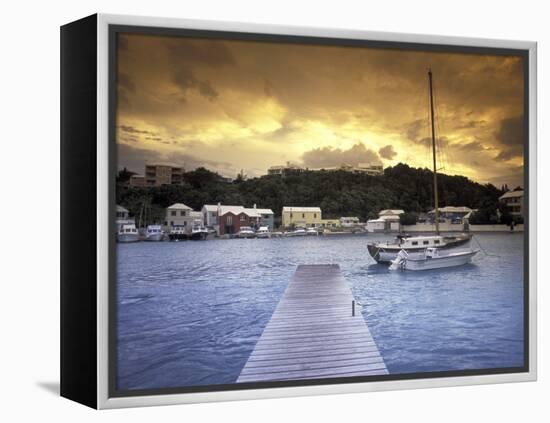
x: 291, y: 215
x: 173, y: 213
x: 243, y: 217
x: 315, y: 215
x: 436, y: 241
x: 182, y: 213
x: 303, y: 215
x: 426, y: 242
x: 229, y: 220
x: 415, y: 243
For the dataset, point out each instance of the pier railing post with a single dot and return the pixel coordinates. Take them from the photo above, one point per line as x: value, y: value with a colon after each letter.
x: 352, y: 308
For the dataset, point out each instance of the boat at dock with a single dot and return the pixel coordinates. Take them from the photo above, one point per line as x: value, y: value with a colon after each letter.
x: 246, y: 232
x: 178, y: 233
x: 312, y: 232
x: 127, y: 232
x: 297, y: 232
x: 263, y: 232
x: 198, y: 231
x: 432, y: 258
x: 154, y: 233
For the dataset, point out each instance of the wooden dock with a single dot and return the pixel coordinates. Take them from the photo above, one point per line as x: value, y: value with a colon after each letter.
x: 312, y: 333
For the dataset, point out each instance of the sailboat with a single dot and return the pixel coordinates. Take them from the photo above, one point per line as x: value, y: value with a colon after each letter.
x: 386, y: 252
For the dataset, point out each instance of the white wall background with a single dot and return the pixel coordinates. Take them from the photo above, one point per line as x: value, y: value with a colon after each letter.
x: 29, y: 212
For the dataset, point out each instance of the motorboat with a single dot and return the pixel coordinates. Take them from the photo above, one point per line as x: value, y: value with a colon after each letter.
x: 385, y: 252
x: 297, y: 232
x: 312, y: 232
x: 263, y: 232
x: 154, y: 233
x: 198, y: 231
x: 432, y: 258
x: 178, y: 233
x: 127, y: 232
x: 246, y: 232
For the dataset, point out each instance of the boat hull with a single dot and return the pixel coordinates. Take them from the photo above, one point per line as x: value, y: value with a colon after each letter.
x: 198, y: 236
x: 441, y: 262
x: 126, y: 238
x: 246, y: 236
x: 386, y: 254
x: 154, y: 237
x: 177, y: 237
x: 263, y: 235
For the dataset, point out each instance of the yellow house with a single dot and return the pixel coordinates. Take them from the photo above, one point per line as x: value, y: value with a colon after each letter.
x: 302, y: 217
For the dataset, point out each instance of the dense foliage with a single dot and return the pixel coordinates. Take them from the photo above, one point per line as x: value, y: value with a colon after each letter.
x: 338, y: 193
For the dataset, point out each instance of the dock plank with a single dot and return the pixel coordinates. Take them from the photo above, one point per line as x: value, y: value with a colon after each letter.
x: 312, y: 333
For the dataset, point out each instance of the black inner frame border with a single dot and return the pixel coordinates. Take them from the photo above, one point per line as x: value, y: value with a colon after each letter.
x: 113, y: 30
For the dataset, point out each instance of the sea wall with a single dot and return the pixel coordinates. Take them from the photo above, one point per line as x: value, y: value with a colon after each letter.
x: 452, y: 227
x: 495, y: 228
x: 427, y: 227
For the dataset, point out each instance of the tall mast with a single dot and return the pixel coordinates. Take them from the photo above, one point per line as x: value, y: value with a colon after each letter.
x: 434, y: 153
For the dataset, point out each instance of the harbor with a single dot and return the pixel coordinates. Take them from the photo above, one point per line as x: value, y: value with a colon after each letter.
x: 192, y: 313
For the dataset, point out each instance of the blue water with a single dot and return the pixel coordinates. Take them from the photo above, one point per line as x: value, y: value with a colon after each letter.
x: 190, y: 313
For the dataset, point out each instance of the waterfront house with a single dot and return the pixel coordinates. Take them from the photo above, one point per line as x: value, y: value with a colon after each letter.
x: 388, y: 221
x: 121, y: 213
x: 349, y: 222
x: 266, y: 217
x: 451, y: 214
x: 179, y: 214
x: 302, y: 217
x: 210, y: 215
x: 260, y: 217
x: 513, y: 201
x: 330, y: 223
x: 232, y: 218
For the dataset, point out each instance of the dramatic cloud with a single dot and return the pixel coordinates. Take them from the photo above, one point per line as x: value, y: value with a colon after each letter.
x: 387, y: 152
x: 329, y: 157
x: 251, y: 105
x: 510, y: 138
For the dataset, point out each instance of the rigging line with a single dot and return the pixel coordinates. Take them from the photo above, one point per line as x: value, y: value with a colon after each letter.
x: 483, y: 249
x: 442, y: 151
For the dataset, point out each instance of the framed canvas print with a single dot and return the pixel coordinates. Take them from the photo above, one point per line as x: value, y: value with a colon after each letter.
x: 253, y: 211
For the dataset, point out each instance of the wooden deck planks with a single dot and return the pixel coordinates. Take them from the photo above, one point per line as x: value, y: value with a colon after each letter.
x: 312, y: 333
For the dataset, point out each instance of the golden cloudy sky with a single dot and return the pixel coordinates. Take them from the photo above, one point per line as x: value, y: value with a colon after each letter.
x: 232, y: 105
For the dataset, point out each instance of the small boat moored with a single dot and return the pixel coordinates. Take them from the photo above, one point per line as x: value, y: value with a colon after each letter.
x: 198, y: 231
x: 263, y: 232
x: 154, y: 233
x: 177, y: 233
x: 297, y: 232
x: 431, y: 258
x: 246, y: 232
x: 312, y: 232
x: 127, y: 232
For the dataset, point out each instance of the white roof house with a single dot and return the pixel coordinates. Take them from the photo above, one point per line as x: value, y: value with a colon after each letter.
x: 179, y: 206
x: 453, y: 209
x: 302, y: 209
x: 390, y: 212
x: 512, y: 194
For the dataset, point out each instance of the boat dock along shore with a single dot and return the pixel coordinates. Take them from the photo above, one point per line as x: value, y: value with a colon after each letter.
x: 316, y: 331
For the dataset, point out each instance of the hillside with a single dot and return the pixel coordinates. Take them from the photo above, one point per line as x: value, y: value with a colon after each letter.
x: 338, y: 193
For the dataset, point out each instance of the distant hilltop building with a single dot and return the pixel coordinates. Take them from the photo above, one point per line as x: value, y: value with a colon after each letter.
x: 137, y: 181
x: 514, y: 201
x: 285, y: 170
x: 292, y: 169
x: 158, y: 175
